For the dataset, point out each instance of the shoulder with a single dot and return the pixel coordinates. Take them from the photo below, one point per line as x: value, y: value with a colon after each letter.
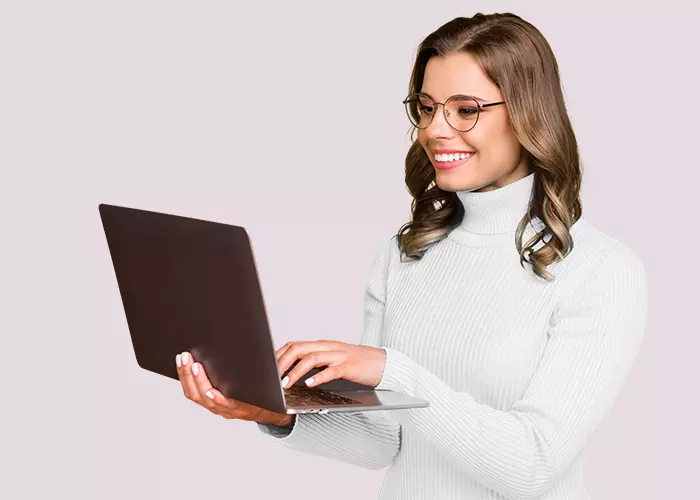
x: 593, y: 242
x: 386, y: 249
x: 600, y: 259
x: 604, y: 295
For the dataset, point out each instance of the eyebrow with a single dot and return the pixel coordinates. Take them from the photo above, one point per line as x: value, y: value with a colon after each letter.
x: 466, y: 95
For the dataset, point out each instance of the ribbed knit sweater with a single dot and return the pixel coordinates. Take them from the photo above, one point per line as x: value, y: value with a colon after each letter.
x: 519, y: 371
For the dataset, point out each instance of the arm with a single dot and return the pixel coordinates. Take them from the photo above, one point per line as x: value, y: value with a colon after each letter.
x: 520, y: 453
x: 367, y: 439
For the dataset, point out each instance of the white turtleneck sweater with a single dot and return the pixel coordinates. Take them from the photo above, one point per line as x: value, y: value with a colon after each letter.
x: 519, y: 371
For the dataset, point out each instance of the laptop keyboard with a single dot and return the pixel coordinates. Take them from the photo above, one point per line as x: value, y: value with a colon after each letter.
x: 299, y: 395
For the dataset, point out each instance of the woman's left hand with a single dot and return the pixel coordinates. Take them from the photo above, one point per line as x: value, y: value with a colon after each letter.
x: 357, y: 363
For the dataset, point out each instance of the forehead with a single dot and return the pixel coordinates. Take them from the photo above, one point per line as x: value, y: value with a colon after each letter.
x: 457, y: 74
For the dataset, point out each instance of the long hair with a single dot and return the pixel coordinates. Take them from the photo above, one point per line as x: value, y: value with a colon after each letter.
x: 518, y: 59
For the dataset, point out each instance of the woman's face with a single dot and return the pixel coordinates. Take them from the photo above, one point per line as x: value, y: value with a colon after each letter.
x: 499, y: 158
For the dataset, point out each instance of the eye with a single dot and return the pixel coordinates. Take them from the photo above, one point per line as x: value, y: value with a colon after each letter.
x: 467, y: 111
x: 425, y: 108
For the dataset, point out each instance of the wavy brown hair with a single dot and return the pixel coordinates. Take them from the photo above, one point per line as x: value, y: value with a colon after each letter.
x: 518, y: 59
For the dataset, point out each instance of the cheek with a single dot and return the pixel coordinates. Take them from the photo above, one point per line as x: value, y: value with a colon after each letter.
x: 495, y: 141
x: 508, y: 137
x: 422, y: 138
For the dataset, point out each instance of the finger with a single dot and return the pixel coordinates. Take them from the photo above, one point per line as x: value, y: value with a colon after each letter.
x: 312, y: 360
x: 330, y: 373
x: 224, y: 405
x: 299, y: 350
x: 281, y: 350
x: 212, y: 399
x: 233, y: 409
x: 284, y: 348
x: 189, y: 387
x: 203, y: 386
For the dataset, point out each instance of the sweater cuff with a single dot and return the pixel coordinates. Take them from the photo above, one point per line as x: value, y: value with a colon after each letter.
x: 398, y: 373
x: 279, y: 432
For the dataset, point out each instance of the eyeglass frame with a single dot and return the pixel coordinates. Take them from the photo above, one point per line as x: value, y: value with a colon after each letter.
x: 479, y: 107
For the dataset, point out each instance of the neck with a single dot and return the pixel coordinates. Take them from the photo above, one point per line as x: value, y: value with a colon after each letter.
x: 497, y: 211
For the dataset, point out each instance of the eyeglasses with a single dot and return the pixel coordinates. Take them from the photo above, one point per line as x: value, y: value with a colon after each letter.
x: 461, y: 111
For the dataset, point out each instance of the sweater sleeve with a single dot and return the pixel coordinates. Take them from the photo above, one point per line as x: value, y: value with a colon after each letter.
x: 367, y: 439
x: 594, y: 336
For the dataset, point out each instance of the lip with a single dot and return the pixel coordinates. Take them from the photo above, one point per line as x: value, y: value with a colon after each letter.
x: 451, y: 165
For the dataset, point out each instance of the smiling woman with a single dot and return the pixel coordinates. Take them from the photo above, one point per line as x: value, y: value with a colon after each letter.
x: 508, y: 111
x: 481, y: 304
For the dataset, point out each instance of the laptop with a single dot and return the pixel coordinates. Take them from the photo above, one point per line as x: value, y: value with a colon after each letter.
x: 192, y: 285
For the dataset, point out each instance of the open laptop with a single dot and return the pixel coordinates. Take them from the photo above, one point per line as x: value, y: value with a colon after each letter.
x: 192, y: 285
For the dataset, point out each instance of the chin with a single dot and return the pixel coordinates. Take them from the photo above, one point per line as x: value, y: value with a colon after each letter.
x: 446, y: 182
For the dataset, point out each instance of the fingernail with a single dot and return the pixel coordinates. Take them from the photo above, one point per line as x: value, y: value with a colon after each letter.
x: 209, y: 394
x: 285, y: 380
x: 178, y: 361
x: 195, y: 369
x: 309, y: 381
x: 185, y: 358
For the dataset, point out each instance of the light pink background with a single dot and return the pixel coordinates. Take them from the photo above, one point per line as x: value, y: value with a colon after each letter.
x: 286, y: 118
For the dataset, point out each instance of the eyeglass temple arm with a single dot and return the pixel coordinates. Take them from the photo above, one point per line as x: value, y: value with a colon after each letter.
x: 492, y: 104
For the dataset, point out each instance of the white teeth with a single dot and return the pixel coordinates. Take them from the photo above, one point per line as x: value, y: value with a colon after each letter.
x: 452, y: 157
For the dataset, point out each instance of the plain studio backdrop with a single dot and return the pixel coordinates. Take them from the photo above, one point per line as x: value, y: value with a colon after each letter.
x: 286, y: 118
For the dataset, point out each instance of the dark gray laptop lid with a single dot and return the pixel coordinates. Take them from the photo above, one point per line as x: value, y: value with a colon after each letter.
x: 192, y: 285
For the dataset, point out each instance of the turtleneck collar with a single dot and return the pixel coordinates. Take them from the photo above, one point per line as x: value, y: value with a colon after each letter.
x: 492, y: 217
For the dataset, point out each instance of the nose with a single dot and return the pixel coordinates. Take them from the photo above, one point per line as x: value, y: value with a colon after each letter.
x: 438, y: 126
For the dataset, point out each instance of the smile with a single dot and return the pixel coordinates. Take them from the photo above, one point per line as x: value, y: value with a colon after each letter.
x: 446, y: 161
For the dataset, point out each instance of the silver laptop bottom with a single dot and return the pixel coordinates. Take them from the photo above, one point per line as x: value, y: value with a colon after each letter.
x: 301, y: 399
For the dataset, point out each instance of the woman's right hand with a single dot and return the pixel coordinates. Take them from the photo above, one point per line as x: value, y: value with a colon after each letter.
x: 197, y: 388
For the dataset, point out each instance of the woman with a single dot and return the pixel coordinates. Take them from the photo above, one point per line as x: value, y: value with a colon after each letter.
x: 481, y: 304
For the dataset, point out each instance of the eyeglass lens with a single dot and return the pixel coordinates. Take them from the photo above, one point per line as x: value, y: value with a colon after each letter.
x: 462, y: 112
